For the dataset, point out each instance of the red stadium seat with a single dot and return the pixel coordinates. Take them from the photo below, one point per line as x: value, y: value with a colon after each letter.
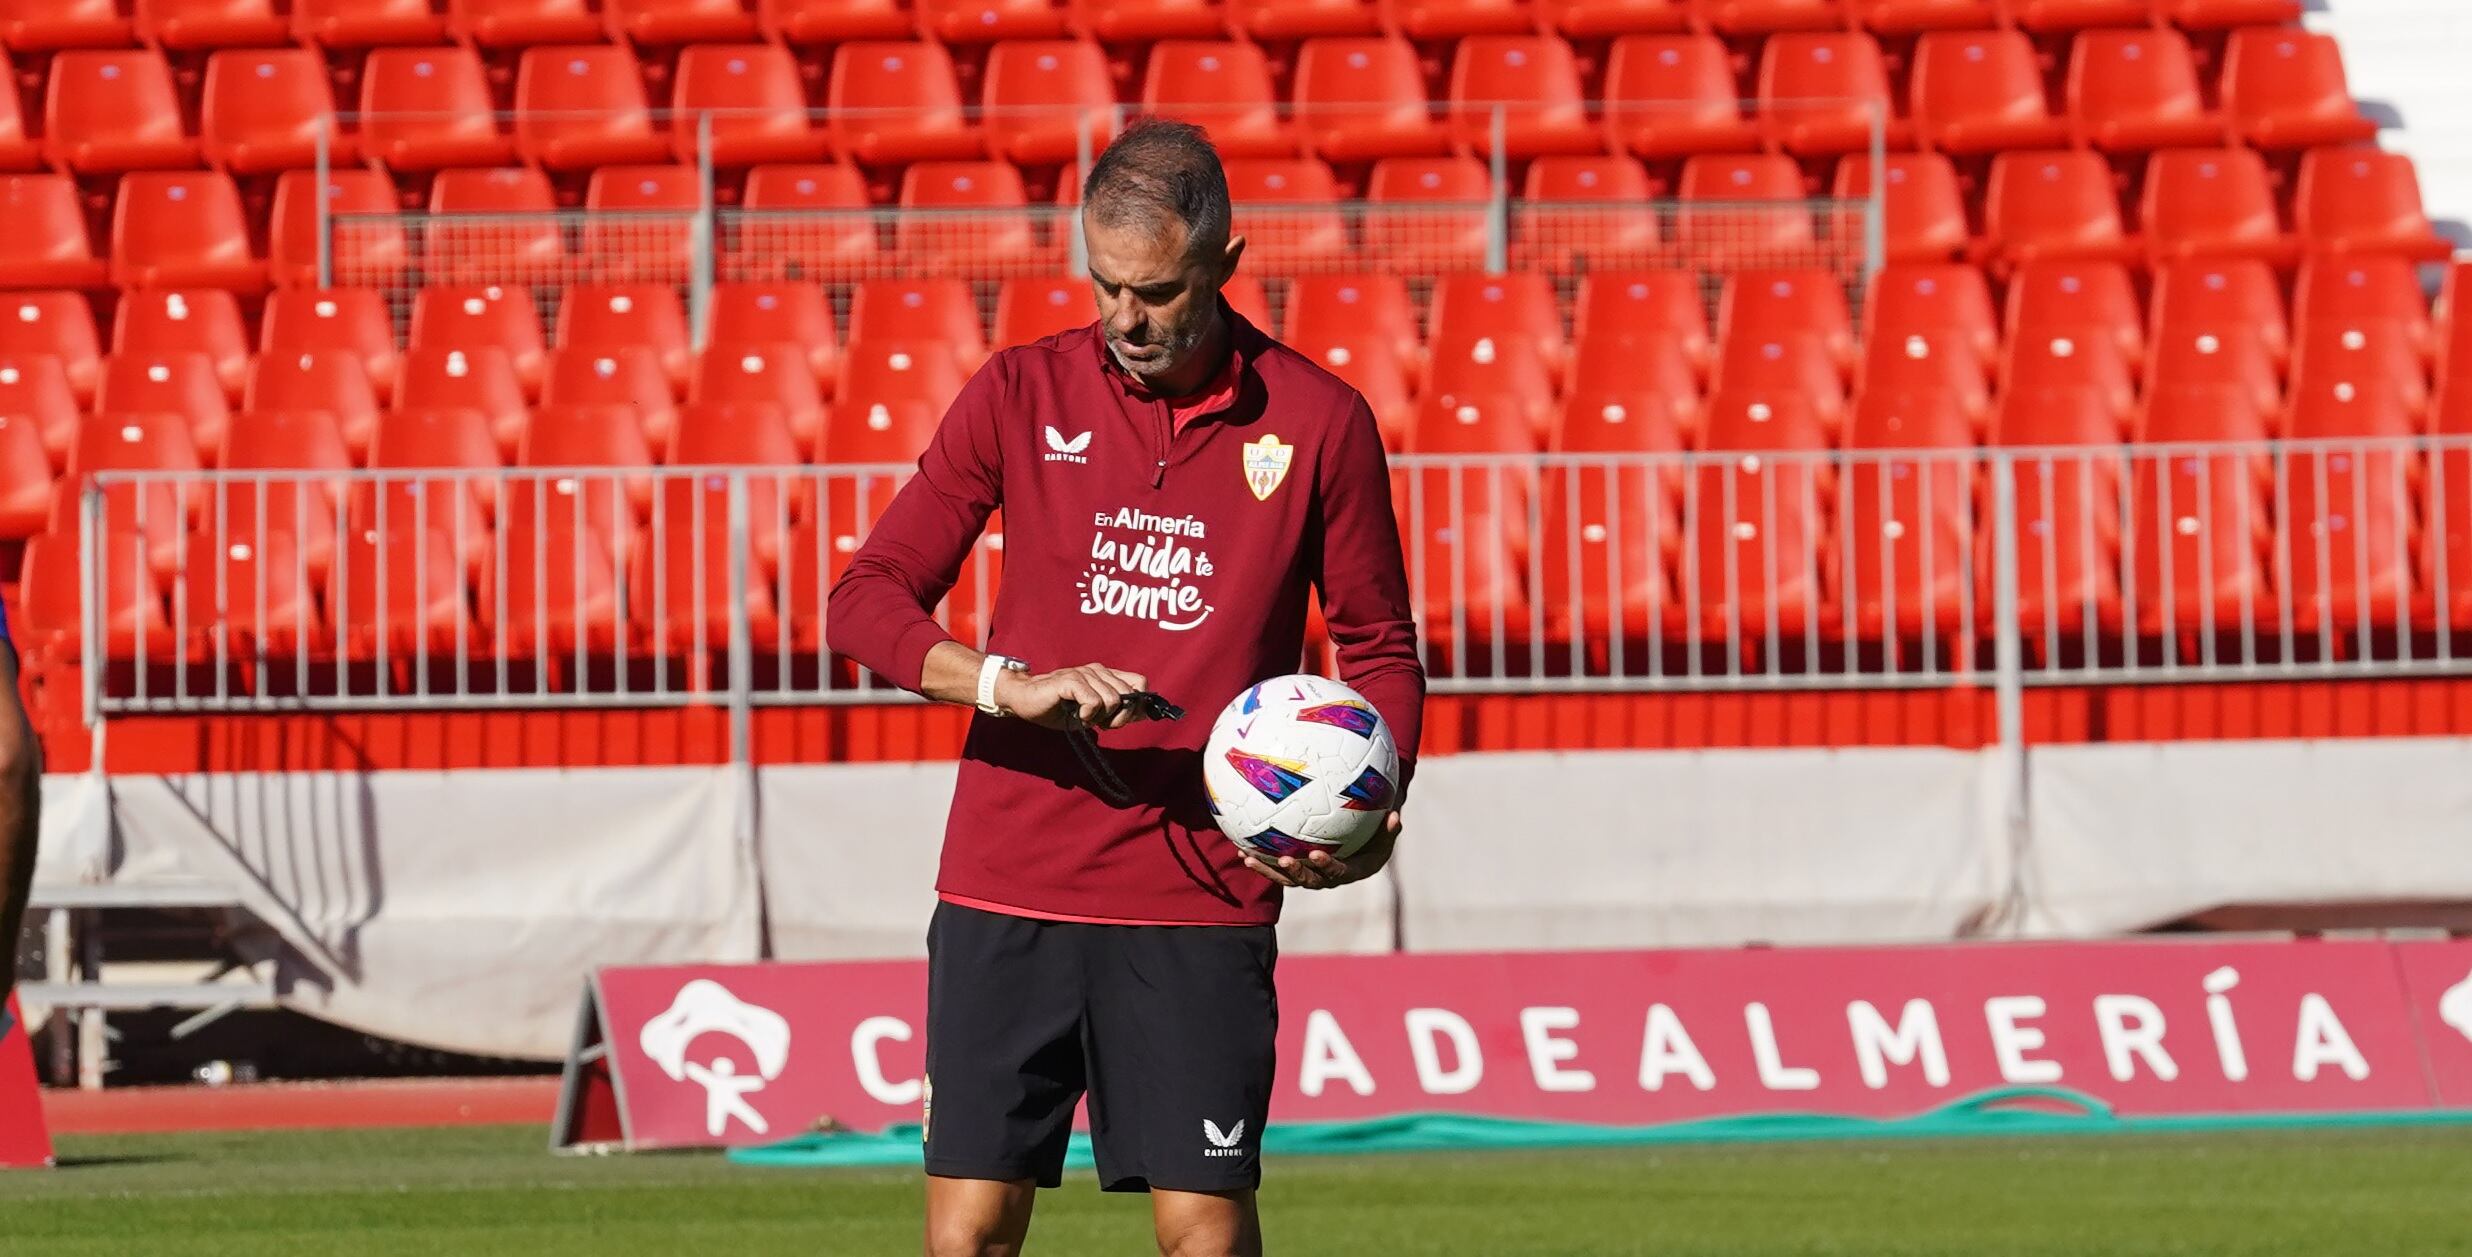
x: 56, y: 325
x: 642, y: 316
x: 35, y: 395
x: 1756, y: 17
x: 368, y: 248
x: 2134, y: 90
x: 1427, y: 213
x: 1664, y: 304
x: 1374, y: 366
x: 1946, y: 297
x: 680, y: 584
x: 19, y: 150
x: 366, y: 23
x: 2230, y: 361
x: 1600, y: 562
x: 206, y: 321
x: 890, y: 103
x: 106, y: 112
x: 774, y: 375
x: 482, y: 316
x: 1362, y: 98
x: 1272, y: 21
x: 33, y: 26
x: 2077, y: 363
x: 1030, y: 310
x: 673, y: 22
x: 1981, y: 91
x: 805, y: 245
x: 1900, y: 569
x: 586, y: 438
x: 1328, y: 310
x: 1630, y: 392
x: 2197, y: 565
x: 2343, y: 540
x: 2048, y: 16
x: 1141, y: 21
x: 640, y: 223
x: 2224, y: 297
x: 989, y: 21
x: 399, y: 594
x: 1738, y: 234
x: 1223, y: 87
x: 1750, y: 537
x: 1823, y: 93
x: 43, y: 234
x: 1044, y: 97
x: 812, y: 22
x: 348, y: 320
x: 1803, y: 302
x: 561, y: 572
x: 1905, y: 17
x: 579, y: 106
x: 267, y: 111
x: 747, y: 313
x: 994, y: 234
x: 159, y: 511
x: 523, y: 23
x: 429, y: 109
x: 304, y: 509
x: 2286, y: 89
x: 53, y: 600
x: 25, y: 472
x: 2058, y: 416
x: 1920, y: 417
x: 495, y: 226
x: 1599, y: 19
x: 2068, y: 511
x: 2210, y: 203
x: 2377, y: 288
x: 2053, y: 205
x: 456, y: 444
x: 182, y: 229
x: 919, y: 312
x: 1458, y: 19
x: 1940, y: 365
x: 324, y: 380
x: 2363, y: 200
x: 1584, y: 210
x: 1469, y: 519
x: 2217, y: 14
x: 1770, y: 365
x: 1488, y: 372
x: 1517, y: 306
x: 1532, y: 82
x: 1674, y: 95
x: 193, y: 25
x: 1245, y: 295
x: 737, y: 434
x: 2359, y: 362
x: 1926, y: 212
x: 243, y: 595
x: 1287, y: 211
x: 167, y: 382
x: 615, y: 380
x: 758, y: 108
x: 891, y: 398
x: 2078, y: 297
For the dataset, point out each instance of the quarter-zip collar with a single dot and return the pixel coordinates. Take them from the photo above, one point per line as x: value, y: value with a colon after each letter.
x: 1169, y: 418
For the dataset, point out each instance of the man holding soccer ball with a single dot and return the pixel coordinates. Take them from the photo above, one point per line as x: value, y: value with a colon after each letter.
x: 1175, y: 485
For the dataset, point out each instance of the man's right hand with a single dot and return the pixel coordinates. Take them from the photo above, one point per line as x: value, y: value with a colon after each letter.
x: 1092, y: 696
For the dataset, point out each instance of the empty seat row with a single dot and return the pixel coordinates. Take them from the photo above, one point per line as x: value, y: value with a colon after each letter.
x: 44, y: 25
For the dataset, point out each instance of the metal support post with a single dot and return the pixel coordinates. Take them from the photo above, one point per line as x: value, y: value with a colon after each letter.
x: 704, y: 255
x: 1498, y: 211
x: 2009, y: 685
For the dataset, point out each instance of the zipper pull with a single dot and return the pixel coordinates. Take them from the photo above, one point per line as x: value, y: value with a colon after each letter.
x: 1158, y: 474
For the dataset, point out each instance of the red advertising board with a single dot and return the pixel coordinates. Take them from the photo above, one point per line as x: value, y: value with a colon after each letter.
x: 24, y: 1141
x: 749, y: 1054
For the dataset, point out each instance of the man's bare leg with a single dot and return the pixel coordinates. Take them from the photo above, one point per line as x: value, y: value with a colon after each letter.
x: 1206, y: 1224
x: 977, y: 1217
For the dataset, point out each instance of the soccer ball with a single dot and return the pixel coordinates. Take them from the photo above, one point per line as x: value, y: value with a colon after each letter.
x: 1300, y: 764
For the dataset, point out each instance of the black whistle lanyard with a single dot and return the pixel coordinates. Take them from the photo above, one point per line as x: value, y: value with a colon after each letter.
x: 1094, y: 760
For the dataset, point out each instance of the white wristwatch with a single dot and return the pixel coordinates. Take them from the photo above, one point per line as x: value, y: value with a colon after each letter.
x: 988, y: 671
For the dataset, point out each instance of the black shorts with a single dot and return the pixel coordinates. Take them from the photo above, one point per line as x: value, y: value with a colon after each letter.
x: 1170, y: 1029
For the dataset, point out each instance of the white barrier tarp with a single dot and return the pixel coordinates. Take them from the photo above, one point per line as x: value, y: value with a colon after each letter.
x: 1690, y: 848
x: 457, y: 910
x: 849, y: 857
x: 2134, y: 835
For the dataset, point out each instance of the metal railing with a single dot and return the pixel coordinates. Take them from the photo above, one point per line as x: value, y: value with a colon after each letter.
x: 1745, y: 570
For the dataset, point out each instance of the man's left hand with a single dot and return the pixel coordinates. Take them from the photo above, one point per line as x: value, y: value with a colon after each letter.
x: 1320, y: 870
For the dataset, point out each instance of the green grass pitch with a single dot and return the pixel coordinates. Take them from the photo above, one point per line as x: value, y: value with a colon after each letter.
x: 481, y: 1192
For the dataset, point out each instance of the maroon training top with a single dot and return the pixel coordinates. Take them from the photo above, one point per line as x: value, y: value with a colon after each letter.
x: 1181, y: 552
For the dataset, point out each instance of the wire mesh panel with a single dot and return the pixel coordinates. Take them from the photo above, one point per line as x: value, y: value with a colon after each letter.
x: 543, y: 253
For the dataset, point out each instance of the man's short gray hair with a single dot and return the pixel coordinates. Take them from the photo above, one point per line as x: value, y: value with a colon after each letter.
x: 1160, y: 171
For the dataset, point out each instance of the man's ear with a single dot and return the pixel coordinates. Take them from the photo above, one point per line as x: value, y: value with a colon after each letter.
x: 1229, y: 257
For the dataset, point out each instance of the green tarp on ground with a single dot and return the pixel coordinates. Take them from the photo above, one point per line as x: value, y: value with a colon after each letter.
x: 2009, y: 1111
